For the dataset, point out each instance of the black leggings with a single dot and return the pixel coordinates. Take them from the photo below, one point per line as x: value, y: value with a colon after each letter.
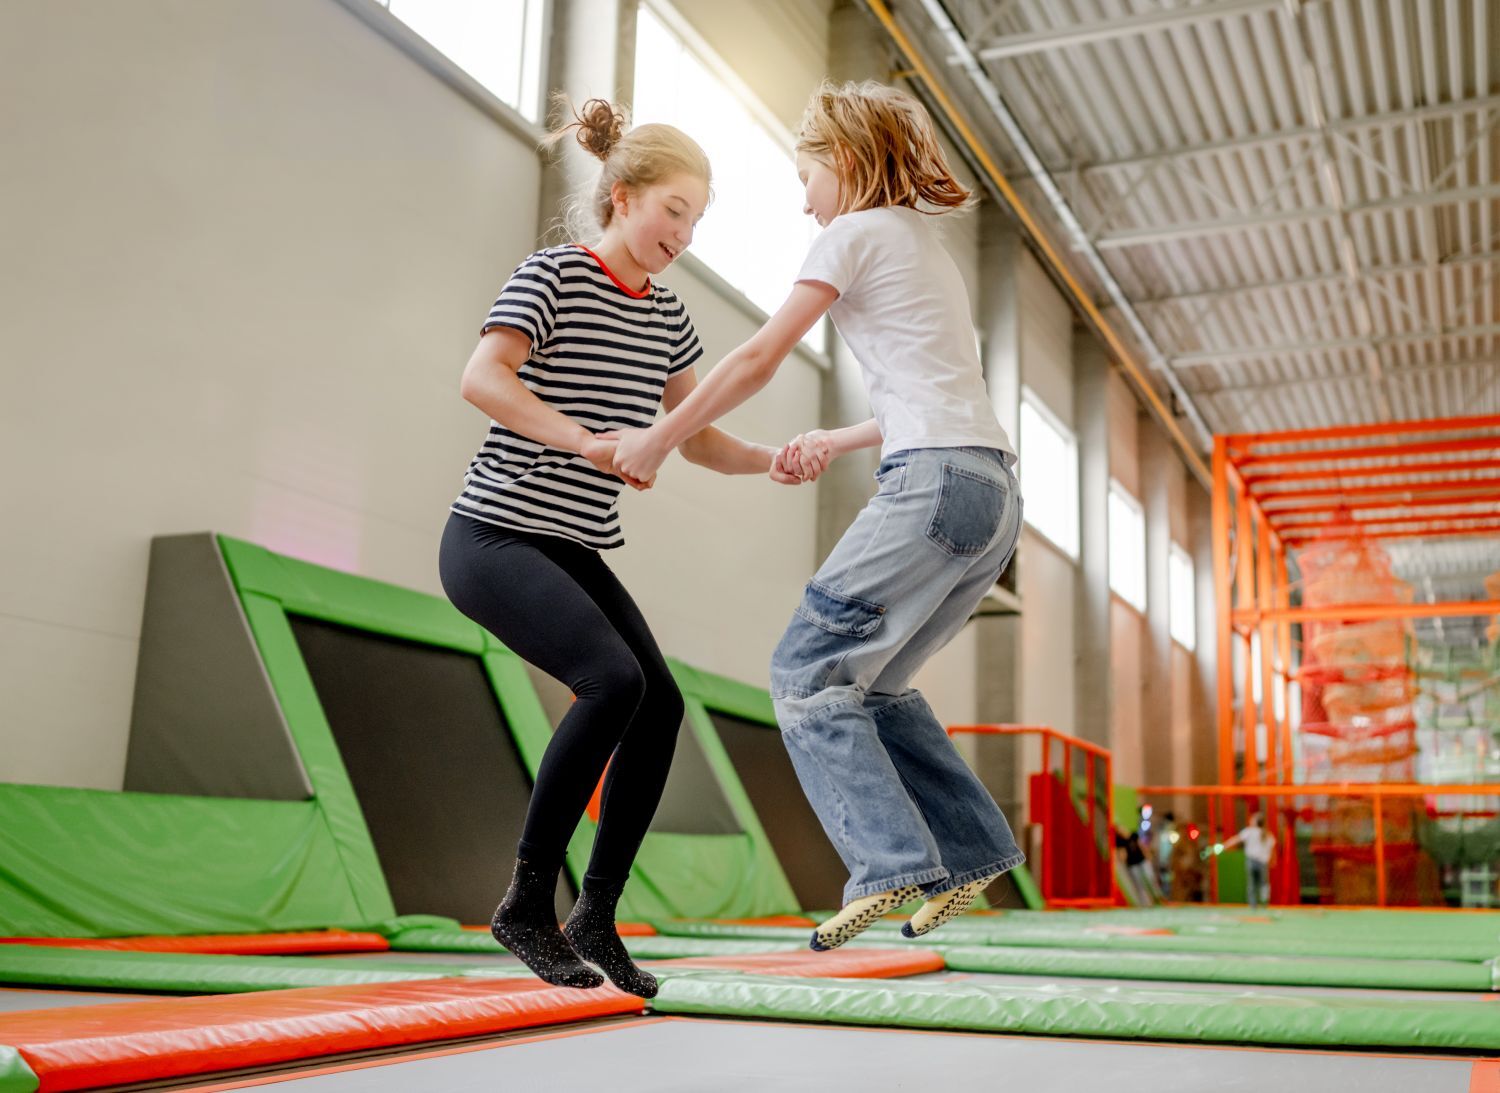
x: 557, y: 605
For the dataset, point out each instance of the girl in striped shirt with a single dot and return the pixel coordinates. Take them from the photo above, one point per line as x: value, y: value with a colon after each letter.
x: 581, y: 342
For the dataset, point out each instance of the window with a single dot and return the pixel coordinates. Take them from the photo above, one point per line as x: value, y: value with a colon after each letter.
x: 1049, y: 474
x: 755, y: 234
x: 1182, y: 598
x: 1127, y: 547
x: 498, y: 42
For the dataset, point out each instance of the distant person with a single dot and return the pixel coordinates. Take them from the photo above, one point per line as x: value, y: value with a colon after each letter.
x: 1137, y: 868
x: 1187, y: 868
x: 1259, y: 845
x: 1166, y: 837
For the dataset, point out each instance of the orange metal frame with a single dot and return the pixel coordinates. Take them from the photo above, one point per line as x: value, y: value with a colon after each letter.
x: 1254, y: 475
x: 1048, y: 735
x: 1377, y: 793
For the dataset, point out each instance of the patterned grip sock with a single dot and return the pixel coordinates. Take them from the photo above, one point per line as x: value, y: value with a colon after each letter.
x: 591, y: 929
x: 945, y: 906
x: 858, y: 916
x: 526, y: 924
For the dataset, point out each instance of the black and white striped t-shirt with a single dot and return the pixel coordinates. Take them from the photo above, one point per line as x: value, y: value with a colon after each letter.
x: 601, y: 354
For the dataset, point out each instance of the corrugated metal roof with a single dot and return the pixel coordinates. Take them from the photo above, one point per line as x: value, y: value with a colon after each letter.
x: 1286, y: 240
x: 1299, y: 198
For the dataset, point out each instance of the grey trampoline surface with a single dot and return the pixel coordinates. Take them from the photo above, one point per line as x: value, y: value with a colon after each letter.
x: 1000, y: 979
x: 686, y: 1055
x: 14, y: 1000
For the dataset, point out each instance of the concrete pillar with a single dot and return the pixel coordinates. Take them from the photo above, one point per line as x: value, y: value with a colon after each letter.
x: 1091, y: 602
x: 591, y: 55
x: 1159, y: 466
x: 998, y: 636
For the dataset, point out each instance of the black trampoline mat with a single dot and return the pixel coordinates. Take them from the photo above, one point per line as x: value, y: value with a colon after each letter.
x: 688, y: 1055
x: 438, y: 777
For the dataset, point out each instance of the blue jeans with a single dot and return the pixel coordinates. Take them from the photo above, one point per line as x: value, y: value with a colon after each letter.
x: 897, y: 800
x: 1255, y: 882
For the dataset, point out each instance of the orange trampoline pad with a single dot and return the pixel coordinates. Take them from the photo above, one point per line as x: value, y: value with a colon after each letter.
x: 839, y: 964
x: 309, y: 941
x: 90, y: 1046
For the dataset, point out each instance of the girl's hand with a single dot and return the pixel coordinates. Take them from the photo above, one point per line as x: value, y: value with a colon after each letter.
x: 638, y: 455
x: 812, y: 452
x: 599, y: 450
x: 780, y: 463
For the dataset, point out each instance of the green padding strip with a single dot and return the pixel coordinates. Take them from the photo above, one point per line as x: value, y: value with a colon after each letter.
x: 15, y: 1075
x: 90, y: 863
x: 1101, y: 1011
x: 192, y: 973
x: 1026, y: 885
x: 308, y: 589
x: 673, y: 948
x: 1198, y: 968
x: 422, y: 940
x: 1004, y: 930
x: 426, y: 940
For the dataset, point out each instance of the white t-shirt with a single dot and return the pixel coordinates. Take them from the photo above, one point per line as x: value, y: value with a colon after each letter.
x: 1257, y: 843
x: 904, y: 310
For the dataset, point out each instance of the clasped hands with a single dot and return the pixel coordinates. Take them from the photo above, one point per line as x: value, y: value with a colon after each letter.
x: 635, y: 455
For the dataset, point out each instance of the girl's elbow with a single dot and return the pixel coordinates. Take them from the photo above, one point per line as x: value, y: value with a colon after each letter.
x: 761, y: 364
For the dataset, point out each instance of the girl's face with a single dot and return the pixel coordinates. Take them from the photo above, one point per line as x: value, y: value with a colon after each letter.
x: 657, y: 222
x: 821, y: 184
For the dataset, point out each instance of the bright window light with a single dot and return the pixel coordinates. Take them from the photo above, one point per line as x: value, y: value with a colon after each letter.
x: 1127, y: 547
x: 1182, y: 598
x: 498, y: 42
x: 755, y: 234
x: 1049, y: 474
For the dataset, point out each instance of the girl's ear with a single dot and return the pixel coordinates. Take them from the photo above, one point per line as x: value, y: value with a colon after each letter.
x: 619, y: 196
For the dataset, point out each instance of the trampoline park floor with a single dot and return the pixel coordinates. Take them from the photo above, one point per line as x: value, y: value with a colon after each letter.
x: 707, y: 1055
x: 747, y: 1007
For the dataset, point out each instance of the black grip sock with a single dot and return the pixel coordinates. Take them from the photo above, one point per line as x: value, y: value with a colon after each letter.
x: 591, y: 929
x: 526, y: 924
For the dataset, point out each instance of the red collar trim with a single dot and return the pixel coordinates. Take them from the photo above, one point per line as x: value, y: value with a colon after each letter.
x: 623, y: 287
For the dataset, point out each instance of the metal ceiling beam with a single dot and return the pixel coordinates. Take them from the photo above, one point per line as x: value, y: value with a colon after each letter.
x: 1343, y: 127
x: 1201, y: 229
x: 1396, y: 372
x: 1452, y: 261
x: 1128, y: 26
x: 1223, y: 356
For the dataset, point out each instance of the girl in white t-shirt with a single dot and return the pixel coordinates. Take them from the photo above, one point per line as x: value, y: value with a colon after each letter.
x: 906, y: 814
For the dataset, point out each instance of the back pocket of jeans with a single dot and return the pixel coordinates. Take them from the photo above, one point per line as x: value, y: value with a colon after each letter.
x: 827, y: 626
x: 968, y: 512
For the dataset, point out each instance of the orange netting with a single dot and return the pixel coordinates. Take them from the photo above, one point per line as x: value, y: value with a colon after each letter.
x: 1358, y: 721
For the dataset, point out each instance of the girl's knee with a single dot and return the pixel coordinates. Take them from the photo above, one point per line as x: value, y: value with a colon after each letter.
x: 617, y: 679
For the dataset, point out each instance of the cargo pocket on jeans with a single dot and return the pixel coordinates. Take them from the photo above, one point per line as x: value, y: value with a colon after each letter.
x: 827, y: 626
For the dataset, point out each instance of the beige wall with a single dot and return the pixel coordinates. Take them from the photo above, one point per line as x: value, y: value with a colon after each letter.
x: 260, y: 240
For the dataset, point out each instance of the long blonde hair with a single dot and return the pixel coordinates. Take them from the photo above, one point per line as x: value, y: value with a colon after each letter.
x: 638, y: 157
x: 881, y: 144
